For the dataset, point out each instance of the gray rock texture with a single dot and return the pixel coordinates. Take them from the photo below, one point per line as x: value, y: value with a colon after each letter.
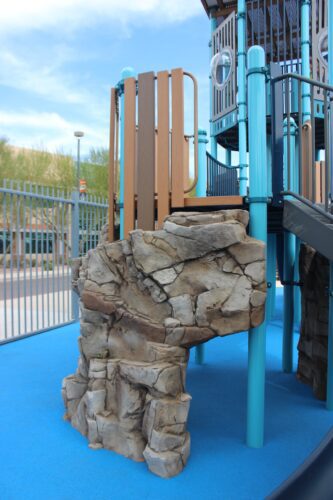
x: 312, y: 345
x: 144, y: 302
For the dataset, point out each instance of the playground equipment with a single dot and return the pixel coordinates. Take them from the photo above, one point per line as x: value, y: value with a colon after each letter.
x: 266, y: 107
x: 271, y: 103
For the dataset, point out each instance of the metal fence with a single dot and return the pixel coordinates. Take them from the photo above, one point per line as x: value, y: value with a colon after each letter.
x: 41, y: 230
x: 222, y: 179
x: 304, y: 177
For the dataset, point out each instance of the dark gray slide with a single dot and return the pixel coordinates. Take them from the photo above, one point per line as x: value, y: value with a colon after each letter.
x: 313, y: 480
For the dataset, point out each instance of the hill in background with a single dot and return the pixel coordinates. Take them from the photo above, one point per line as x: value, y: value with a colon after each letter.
x: 54, y: 169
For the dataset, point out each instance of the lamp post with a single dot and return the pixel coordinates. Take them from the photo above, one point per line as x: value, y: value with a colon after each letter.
x: 78, y: 134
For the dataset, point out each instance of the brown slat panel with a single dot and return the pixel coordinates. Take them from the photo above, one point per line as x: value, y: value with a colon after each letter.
x: 307, y: 160
x: 177, y: 142
x: 146, y: 151
x: 112, y: 164
x: 129, y: 155
x: 163, y: 159
x: 213, y: 201
x: 186, y: 167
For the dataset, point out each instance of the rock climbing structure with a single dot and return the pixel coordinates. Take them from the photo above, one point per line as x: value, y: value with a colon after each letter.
x: 144, y: 302
x: 313, y: 340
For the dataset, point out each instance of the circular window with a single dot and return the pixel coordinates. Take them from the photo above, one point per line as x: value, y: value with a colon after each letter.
x: 220, y: 68
x: 323, y: 48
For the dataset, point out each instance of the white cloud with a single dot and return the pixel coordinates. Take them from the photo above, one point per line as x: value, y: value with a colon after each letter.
x: 54, y: 132
x: 70, y: 14
x: 42, y: 79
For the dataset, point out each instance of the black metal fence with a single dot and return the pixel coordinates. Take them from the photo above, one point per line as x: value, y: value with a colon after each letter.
x: 222, y: 180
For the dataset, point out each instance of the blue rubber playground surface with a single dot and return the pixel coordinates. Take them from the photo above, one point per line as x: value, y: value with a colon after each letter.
x: 43, y: 457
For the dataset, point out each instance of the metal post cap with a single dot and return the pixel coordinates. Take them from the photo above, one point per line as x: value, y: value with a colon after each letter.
x: 127, y: 72
x: 293, y: 126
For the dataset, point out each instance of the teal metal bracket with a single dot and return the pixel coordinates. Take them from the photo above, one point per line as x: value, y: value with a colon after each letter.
x: 262, y: 70
x: 258, y: 199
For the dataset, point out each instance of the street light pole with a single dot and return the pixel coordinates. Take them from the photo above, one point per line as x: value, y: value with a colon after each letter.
x: 78, y: 134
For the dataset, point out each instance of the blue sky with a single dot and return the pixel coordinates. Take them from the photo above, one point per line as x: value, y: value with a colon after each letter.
x: 59, y: 58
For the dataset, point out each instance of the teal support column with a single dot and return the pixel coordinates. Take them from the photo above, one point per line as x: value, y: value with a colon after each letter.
x: 126, y: 73
x: 258, y: 229
x: 241, y: 77
x: 329, y: 397
x: 305, y: 52
x: 289, y: 251
x: 271, y: 246
x: 200, y: 354
x: 271, y: 277
x: 227, y: 157
x: 213, y: 142
x: 201, y: 187
x: 269, y: 166
x: 213, y: 147
x: 288, y: 302
x: 297, y: 290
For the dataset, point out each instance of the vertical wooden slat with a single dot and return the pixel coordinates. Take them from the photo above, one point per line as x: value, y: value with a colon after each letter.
x: 163, y: 158
x: 177, y: 142
x: 306, y: 160
x: 112, y: 164
x: 318, y: 181
x: 156, y: 159
x: 129, y: 154
x: 146, y: 151
x: 186, y: 167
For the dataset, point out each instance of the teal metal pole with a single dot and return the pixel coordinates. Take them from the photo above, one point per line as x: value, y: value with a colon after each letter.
x: 241, y: 76
x: 306, y: 105
x: 305, y: 52
x: 258, y: 229
x: 288, y: 253
x: 271, y: 247
x: 297, y: 290
x: 271, y: 276
x: 201, y: 187
x: 288, y: 302
x: 201, y: 190
x: 329, y: 395
x: 213, y: 142
x: 227, y: 157
x: 200, y: 354
x: 269, y: 167
x: 126, y: 73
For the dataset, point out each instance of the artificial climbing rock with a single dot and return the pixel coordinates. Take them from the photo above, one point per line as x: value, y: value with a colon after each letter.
x: 144, y: 302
